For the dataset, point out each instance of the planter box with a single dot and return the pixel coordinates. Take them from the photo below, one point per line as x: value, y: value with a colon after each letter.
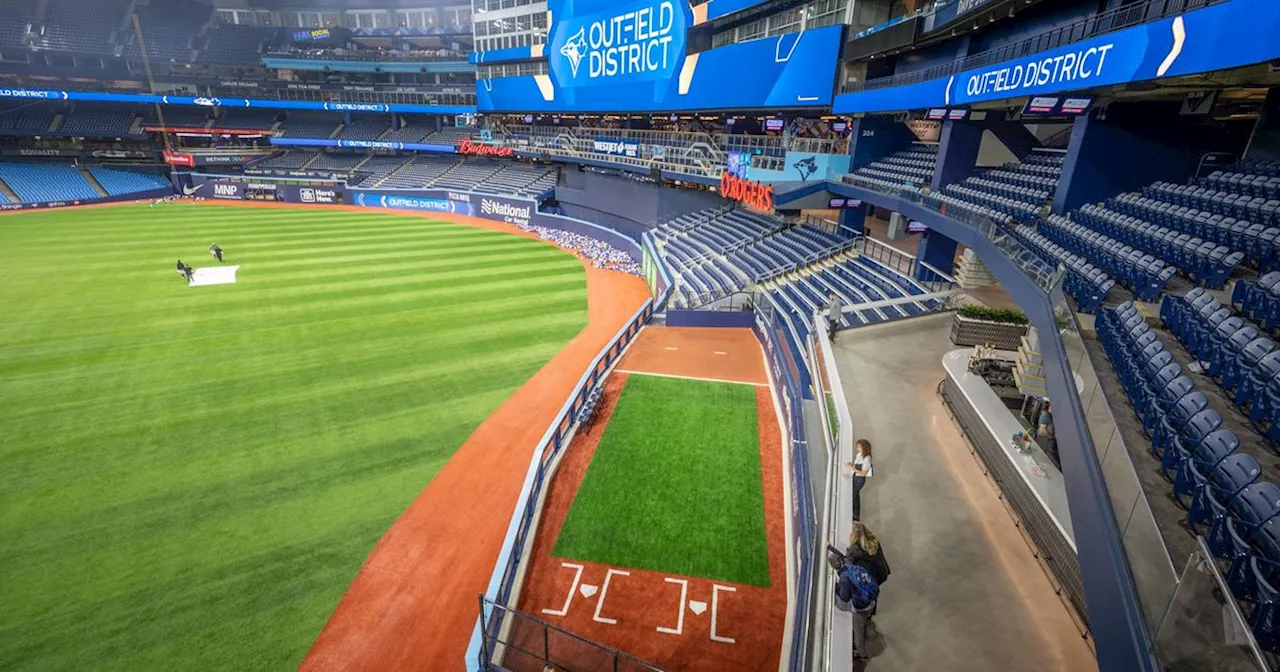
x: 1004, y: 336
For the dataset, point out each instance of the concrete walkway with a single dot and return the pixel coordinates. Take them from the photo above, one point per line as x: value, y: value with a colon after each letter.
x: 966, y: 593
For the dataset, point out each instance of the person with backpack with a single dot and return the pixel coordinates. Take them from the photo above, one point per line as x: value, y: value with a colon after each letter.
x: 862, y: 569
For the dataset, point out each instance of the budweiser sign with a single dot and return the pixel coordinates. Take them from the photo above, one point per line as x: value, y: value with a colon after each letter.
x: 751, y: 194
x: 481, y: 149
x: 177, y: 159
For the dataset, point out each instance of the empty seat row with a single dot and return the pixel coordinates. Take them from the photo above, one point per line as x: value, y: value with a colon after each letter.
x: 1260, y: 209
x: 1258, y: 242
x: 1013, y: 207
x: 1264, y: 185
x: 1204, y: 261
x: 1144, y: 274
x: 1086, y: 283
x: 1259, y: 300
x: 1239, y: 357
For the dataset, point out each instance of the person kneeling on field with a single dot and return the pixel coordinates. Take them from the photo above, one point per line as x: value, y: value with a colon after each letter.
x: 185, y: 271
x: 216, y: 251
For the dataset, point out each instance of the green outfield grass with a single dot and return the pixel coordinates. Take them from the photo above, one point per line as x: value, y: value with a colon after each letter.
x: 191, y: 477
x: 674, y: 485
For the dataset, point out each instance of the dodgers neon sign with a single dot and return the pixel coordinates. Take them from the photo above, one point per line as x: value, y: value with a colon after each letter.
x: 750, y: 194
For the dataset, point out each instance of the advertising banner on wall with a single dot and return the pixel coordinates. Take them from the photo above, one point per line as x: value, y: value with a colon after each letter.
x: 204, y: 101
x: 617, y: 147
x: 1219, y: 37
x: 219, y: 189
x: 630, y: 55
x: 514, y: 211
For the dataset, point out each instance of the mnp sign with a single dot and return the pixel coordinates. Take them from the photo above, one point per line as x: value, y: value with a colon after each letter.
x: 229, y: 191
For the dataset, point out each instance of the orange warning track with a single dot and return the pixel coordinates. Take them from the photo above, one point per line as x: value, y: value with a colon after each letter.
x: 647, y: 605
x: 413, y: 605
x: 731, y: 355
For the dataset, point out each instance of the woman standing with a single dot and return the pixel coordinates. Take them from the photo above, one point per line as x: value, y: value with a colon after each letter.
x: 861, y: 466
x: 864, y: 550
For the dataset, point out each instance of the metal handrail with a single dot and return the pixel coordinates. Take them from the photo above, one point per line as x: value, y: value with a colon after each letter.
x: 1047, y: 276
x: 1098, y: 24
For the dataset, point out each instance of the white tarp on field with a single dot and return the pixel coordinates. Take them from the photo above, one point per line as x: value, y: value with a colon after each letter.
x: 215, y: 275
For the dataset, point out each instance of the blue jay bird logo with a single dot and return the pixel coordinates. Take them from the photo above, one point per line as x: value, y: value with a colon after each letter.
x: 807, y: 167
x: 575, y: 49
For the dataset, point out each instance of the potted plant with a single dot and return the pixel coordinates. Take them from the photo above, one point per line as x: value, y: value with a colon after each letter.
x: 980, y: 325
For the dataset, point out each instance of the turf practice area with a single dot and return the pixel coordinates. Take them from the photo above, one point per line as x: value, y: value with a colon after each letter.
x: 675, y: 485
x: 190, y: 477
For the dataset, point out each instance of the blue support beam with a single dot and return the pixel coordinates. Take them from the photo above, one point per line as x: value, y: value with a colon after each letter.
x: 957, y: 152
x: 1106, y: 158
x: 936, y: 250
x: 853, y: 221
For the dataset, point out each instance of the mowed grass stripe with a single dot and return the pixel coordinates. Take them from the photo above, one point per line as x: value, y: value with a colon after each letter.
x: 675, y: 486
x: 194, y: 475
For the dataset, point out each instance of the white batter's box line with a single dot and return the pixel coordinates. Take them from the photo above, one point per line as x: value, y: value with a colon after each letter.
x: 604, y: 590
x: 684, y: 599
x: 577, y: 576
x: 715, y: 607
x: 632, y: 372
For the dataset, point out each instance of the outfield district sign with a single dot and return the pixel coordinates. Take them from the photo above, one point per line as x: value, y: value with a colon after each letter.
x: 632, y: 55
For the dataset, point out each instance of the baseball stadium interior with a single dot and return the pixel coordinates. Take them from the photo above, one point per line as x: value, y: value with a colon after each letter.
x: 560, y: 335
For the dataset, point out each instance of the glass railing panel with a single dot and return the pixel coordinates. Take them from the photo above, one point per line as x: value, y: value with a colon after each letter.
x: 1203, y: 628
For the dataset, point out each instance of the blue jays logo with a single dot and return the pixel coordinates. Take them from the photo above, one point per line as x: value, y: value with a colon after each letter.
x: 575, y: 49
x: 806, y: 167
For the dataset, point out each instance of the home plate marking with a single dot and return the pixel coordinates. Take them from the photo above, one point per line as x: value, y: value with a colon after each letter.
x: 697, y: 607
x: 604, y: 590
x: 588, y: 590
x: 213, y: 275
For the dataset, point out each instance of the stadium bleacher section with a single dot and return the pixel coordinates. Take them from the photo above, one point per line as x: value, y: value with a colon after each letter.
x: 116, y: 181
x: 420, y: 172
x: 81, y: 26
x: 39, y: 183
x: 303, y: 125
x: 912, y: 166
x: 18, y: 15
x: 336, y: 162
x: 364, y: 128
x: 91, y: 122
x: 234, y: 45
x: 720, y: 251
x: 168, y: 28
x: 377, y: 167
x: 26, y: 119
x: 414, y: 131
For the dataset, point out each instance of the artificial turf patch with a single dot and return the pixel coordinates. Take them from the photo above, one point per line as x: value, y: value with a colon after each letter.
x: 190, y: 477
x: 674, y: 485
